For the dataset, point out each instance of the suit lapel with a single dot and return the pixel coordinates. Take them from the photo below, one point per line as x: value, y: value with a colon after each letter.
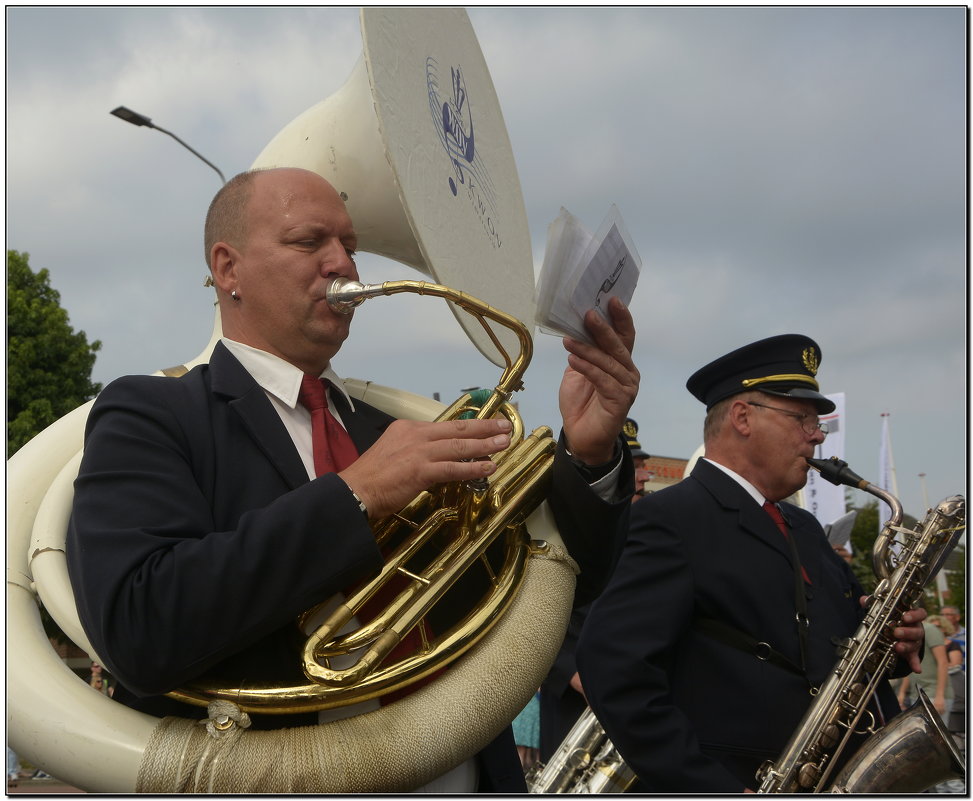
x: 731, y: 496
x: 365, y: 425
x: 246, y: 398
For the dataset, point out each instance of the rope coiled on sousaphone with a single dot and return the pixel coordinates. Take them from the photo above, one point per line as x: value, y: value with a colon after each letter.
x: 394, y: 749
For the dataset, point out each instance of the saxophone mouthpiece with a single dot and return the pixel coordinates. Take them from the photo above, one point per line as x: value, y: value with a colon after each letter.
x: 837, y: 472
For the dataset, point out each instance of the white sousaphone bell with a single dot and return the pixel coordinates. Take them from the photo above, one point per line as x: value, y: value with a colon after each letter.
x: 416, y: 143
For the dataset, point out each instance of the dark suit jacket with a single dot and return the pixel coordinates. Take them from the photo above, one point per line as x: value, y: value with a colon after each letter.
x: 196, y: 537
x: 686, y: 711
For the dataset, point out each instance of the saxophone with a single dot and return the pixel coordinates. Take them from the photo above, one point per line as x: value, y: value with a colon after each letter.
x: 585, y: 762
x: 914, y: 751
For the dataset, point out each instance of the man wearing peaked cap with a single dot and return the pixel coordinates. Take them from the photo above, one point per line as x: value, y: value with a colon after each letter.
x: 726, y: 603
x: 785, y: 365
x: 631, y: 432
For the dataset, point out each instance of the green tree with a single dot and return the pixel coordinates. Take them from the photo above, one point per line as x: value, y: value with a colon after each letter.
x: 863, y: 535
x: 48, y: 363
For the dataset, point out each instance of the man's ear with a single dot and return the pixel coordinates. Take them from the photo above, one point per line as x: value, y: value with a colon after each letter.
x: 223, y: 259
x: 739, y: 416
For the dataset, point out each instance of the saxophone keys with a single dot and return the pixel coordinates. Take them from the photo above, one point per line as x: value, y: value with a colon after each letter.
x: 855, y: 693
x: 829, y: 736
x: 808, y: 775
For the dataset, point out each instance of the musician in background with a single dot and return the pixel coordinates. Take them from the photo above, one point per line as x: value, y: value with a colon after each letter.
x: 203, y: 523
x: 695, y: 658
x: 951, y: 613
x: 562, y: 699
x: 642, y: 475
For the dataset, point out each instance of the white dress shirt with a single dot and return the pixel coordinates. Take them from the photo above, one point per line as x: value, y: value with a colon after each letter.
x: 752, y: 491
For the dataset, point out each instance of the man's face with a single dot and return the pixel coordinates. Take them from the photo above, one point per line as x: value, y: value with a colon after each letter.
x: 641, y: 476
x: 951, y: 615
x: 779, y: 445
x: 299, y: 237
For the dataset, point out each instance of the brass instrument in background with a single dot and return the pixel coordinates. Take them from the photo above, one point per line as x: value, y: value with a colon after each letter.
x: 914, y: 751
x: 586, y: 762
x: 431, y: 543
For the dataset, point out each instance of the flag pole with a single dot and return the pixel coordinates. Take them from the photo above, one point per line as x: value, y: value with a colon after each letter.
x: 886, y: 466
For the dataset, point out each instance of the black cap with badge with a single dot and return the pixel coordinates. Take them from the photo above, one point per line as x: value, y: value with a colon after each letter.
x: 784, y: 365
x: 631, y: 431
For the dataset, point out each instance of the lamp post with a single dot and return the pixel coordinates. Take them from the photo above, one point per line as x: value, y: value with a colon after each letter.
x: 135, y: 118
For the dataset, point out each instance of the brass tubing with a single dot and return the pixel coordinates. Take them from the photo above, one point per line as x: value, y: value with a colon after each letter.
x: 467, y: 516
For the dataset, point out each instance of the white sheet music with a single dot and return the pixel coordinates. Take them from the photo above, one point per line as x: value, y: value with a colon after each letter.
x: 582, y: 272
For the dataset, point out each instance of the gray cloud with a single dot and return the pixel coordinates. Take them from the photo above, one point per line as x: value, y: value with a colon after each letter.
x: 780, y: 170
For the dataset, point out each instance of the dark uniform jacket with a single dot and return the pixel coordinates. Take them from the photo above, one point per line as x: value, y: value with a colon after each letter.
x: 193, y: 517
x: 686, y: 709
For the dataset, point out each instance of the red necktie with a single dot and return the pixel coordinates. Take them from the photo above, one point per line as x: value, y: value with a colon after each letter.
x: 333, y: 452
x: 333, y: 448
x: 774, y: 512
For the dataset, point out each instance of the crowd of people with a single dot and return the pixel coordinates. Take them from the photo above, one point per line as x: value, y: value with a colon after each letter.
x: 212, y: 509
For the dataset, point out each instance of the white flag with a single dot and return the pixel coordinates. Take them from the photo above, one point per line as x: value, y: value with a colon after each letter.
x: 886, y: 471
x: 826, y: 501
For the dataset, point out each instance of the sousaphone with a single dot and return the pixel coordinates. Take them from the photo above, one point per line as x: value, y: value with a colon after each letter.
x: 416, y: 144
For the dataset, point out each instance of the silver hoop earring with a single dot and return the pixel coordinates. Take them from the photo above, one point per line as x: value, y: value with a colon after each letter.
x: 234, y: 295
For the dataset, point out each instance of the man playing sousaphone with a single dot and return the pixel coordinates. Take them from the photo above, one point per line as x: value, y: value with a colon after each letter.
x: 206, y: 515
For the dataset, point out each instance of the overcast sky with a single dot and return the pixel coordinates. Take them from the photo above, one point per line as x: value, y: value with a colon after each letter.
x: 780, y: 170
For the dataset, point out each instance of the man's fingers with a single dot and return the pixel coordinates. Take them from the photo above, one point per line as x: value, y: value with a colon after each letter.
x: 462, y: 429
x: 622, y: 322
x: 412, y: 456
x: 455, y: 449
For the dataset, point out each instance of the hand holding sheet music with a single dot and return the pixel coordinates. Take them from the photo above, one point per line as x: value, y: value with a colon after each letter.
x: 582, y: 271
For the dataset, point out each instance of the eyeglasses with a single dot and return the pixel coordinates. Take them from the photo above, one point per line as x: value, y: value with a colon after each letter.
x: 809, y: 423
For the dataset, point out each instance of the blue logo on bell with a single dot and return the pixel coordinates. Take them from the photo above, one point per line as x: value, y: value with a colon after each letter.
x: 452, y: 115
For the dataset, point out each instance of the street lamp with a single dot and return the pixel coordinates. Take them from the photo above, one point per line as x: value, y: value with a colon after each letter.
x: 135, y: 118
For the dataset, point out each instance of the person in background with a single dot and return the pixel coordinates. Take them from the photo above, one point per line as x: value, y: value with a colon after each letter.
x: 631, y: 431
x: 700, y: 655
x: 13, y: 767
x: 527, y: 733
x: 843, y: 552
x: 957, y: 674
x: 951, y: 613
x: 97, y: 679
x: 933, y: 679
x: 562, y: 698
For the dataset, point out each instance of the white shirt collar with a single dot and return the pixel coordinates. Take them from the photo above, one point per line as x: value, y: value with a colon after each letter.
x: 750, y: 488
x: 278, y: 377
